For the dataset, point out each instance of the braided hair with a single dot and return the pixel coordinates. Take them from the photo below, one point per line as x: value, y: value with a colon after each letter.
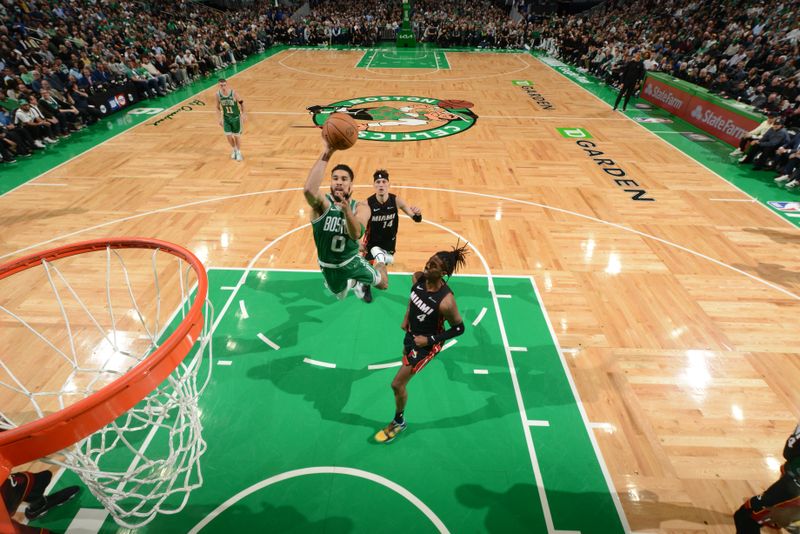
x: 454, y: 259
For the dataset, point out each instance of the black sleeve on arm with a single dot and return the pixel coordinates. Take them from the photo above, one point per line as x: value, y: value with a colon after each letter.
x: 455, y: 331
x: 792, y: 448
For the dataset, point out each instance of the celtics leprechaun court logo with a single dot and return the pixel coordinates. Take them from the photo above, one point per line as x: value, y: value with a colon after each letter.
x: 402, y: 118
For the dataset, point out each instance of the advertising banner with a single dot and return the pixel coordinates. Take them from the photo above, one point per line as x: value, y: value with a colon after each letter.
x: 113, y: 97
x: 724, y: 119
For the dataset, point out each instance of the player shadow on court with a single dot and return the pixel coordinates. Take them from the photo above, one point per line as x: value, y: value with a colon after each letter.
x: 486, y: 353
x: 513, y: 507
x: 251, y: 515
x: 331, y: 395
x: 328, y: 397
x: 290, y: 291
x: 30, y: 216
x: 783, y: 238
x: 284, y: 334
x: 772, y: 272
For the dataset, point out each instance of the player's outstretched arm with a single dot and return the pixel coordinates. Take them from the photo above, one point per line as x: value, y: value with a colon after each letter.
x: 311, y: 190
x: 412, y: 211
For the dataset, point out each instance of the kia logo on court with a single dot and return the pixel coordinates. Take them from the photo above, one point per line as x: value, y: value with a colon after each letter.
x: 401, y: 118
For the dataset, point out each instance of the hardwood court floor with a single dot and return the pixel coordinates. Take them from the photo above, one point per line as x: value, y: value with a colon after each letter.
x: 678, y: 316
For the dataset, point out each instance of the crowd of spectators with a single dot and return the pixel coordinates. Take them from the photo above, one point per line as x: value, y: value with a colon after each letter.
x: 55, y: 55
x: 746, y: 50
x: 481, y: 24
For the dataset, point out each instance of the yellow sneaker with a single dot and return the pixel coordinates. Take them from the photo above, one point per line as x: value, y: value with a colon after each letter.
x: 385, y: 435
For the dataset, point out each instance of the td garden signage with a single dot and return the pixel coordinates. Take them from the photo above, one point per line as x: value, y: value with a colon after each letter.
x: 402, y: 118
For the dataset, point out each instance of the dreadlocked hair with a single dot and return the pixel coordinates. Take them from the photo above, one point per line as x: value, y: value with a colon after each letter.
x: 454, y: 259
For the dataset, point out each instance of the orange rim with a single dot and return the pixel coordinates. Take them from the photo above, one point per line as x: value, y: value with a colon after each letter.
x: 61, y: 429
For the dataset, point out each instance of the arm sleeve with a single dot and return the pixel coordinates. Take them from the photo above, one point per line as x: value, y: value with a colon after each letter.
x: 455, y: 331
x: 792, y: 449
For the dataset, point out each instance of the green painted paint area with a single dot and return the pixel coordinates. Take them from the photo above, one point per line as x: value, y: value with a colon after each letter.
x: 464, y: 454
x: 399, y: 58
x: 713, y: 154
x: 16, y: 174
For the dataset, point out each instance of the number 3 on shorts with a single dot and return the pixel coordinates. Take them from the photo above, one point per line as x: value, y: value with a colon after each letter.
x: 337, y: 244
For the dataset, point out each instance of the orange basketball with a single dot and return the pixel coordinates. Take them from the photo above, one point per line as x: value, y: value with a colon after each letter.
x: 340, y: 131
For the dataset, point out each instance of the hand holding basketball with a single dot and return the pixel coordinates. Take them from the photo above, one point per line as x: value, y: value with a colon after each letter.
x: 340, y: 131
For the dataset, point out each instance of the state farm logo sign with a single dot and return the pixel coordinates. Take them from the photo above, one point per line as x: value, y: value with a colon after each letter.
x: 664, y: 96
x: 722, y: 123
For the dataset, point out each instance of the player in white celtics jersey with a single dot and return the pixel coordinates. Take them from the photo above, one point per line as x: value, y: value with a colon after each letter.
x: 338, y: 223
x: 230, y: 113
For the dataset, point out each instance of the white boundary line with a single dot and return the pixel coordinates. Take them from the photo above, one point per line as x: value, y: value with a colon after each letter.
x: 87, y: 520
x: 481, y: 371
x: 415, y: 188
x: 376, y: 366
x: 503, y: 296
x: 519, y: 56
x: 541, y: 118
x: 666, y: 142
x: 427, y: 72
x: 268, y: 341
x: 323, y: 470
x: 608, y: 427
x: 537, y: 422
x: 608, y: 223
x: 518, y: 349
x: 479, y: 317
x: 398, y: 273
x: 537, y: 473
x: 449, y: 344
x: 319, y: 363
x: 597, y: 452
x: 242, y: 309
x: 224, y: 362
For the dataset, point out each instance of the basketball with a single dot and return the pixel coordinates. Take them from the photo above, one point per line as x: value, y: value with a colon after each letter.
x: 340, y: 131
x: 455, y: 104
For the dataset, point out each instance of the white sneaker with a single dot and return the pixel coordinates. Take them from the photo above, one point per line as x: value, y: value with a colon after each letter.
x: 381, y: 256
x: 793, y: 184
x: 38, y: 143
x: 233, y: 154
x: 350, y: 285
x: 736, y: 152
x: 781, y: 179
x: 50, y: 140
x: 239, y: 156
x: 741, y: 160
x: 359, y: 291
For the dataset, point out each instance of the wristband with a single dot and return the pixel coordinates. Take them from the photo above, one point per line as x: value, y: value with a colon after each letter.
x: 417, y: 217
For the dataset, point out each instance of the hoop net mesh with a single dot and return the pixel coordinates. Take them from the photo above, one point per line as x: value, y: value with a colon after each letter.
x: 71, y: 327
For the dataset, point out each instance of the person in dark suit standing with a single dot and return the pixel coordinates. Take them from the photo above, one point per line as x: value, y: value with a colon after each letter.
x: 632, y: 76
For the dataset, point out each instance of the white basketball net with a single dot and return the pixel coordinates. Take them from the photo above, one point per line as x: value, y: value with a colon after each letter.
x: 91, y: 333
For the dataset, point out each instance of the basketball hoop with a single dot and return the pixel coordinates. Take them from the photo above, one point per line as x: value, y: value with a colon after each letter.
x: 114, y: 395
